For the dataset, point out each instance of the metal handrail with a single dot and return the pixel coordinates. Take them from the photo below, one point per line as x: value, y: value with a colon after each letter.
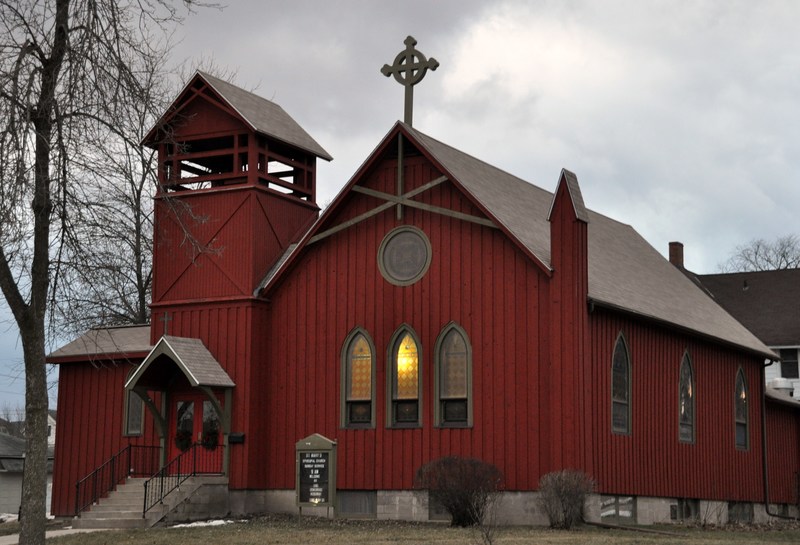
x: 112, y: 472
x: 170, y: 477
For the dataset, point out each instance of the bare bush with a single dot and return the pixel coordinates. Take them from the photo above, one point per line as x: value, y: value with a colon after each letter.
x: 464, y: 487
x: 562, y: 495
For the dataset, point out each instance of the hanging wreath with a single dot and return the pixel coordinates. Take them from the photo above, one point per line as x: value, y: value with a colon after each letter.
x: 210, y: 440
x: 210, y: 437
x: 183, y: 439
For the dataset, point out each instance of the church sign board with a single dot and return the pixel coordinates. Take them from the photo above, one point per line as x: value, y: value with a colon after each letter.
x: 315, y: 471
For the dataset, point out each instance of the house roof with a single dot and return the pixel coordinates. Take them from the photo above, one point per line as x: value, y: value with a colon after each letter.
x: 11, y: 446
x: 767, y: 302
x: 105, y: 343
x: 192, y: 358
x: 262, y: 115
x: 782, y: 398
x: 625, y: 272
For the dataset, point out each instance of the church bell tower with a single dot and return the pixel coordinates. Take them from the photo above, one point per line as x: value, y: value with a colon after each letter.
x: 236, y: 187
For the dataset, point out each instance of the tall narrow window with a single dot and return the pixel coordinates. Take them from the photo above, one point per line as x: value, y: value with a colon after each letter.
x: 686, y: 401
x: 134, y: 411
x: 620, y: 388
x: 453, y: 378
x: 358, y: 375
x: 404, y: 361
x: 741, y: 416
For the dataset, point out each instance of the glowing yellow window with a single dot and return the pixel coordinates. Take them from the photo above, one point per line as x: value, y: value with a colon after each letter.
x: 405, y: 380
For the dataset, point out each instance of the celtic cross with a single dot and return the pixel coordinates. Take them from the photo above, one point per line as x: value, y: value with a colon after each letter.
x: 408, y: 69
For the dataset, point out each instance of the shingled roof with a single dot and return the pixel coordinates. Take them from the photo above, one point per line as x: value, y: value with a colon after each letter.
x: 625, y: 272
x: 767, y: 302
x: 193, y: 359
x: 265, y: 117
x: 104, y: 343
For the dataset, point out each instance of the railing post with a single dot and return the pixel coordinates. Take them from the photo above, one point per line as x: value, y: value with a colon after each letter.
x: 144, y: 506
x: 194, y: 459
x: 77, y: 500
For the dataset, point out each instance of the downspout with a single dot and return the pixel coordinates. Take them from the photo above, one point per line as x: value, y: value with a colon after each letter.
x: 764, y: 465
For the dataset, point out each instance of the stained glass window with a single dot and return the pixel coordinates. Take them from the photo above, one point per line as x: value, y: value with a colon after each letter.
x: 620, y: 388
x: 405, y: 379
x: 686, y: 402
x: 453, y: 377
x: 358, y: 370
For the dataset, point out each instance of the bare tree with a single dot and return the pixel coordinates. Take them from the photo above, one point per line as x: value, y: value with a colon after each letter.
x: 67, y: 68
x: 763, y: 255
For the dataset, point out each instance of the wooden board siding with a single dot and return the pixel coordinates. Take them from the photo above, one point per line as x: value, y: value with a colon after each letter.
x: 477, y: 278
x: 242, y: 231
x: 568, y: 441
x: 783, y: 457
x: 227, y: 330
x: 651, y: 461
x: 91, y: 411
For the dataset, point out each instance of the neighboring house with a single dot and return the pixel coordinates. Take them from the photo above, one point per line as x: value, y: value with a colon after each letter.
x: 765, y: 302
x: 17, y: 428
x: 439, y: 306
x: 12, y: 463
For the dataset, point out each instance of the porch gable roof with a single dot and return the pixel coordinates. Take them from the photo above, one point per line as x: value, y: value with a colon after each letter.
x: 190, y: 356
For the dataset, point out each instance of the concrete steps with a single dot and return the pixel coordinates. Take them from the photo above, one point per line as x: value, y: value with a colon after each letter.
x: 123, y: 507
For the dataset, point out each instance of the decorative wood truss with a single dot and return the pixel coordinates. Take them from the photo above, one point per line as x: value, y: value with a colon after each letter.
x: 405, y: 199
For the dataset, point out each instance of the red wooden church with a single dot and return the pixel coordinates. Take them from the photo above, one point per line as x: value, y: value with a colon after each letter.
x: 439, y: 306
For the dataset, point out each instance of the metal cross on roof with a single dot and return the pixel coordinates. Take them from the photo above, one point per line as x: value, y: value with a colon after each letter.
x: 408, y: 69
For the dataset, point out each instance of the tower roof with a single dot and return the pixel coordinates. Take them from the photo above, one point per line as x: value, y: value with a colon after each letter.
x: 261, y: 115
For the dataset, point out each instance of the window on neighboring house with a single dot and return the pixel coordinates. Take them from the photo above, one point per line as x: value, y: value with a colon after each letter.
x: 453, y: 378
x: 404, y: 373
x: 134, y: 411
x: 740, y: 411
x: 686, y: 401
x: 620, y: 388
x: 789, y: 363
x: 358, y: 377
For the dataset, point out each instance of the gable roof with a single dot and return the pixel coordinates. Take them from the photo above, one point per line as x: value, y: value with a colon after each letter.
x: 625, y: 272
x: 767, y: 302
x: 262, y: 115
x: 105, y: 343
x: 193, y: 359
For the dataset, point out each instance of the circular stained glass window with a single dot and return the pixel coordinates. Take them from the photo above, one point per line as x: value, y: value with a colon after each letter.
x: 404, y: 256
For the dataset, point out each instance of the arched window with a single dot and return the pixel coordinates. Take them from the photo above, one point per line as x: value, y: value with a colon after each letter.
x: 404, y: 376
x: 453, y: 378
x: 741, y: 412
x: 358, y: 376
x: 686, y: 401
x: 621, y: 388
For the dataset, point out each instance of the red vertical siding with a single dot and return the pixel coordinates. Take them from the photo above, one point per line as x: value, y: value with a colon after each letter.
x: 337, y: 286
x: 651, y: 460
x: 783, y: 453
x: 91, y: 410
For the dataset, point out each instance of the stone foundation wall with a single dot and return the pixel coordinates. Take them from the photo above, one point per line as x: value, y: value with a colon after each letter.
x: 513, y: 508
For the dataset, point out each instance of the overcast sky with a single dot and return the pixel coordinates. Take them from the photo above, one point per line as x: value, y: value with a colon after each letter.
x: 681, y: 119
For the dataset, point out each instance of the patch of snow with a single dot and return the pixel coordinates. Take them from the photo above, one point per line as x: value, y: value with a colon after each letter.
x: 8, y: 517
x: 202, y: 523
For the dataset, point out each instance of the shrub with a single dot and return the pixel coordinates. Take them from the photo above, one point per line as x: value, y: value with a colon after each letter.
x: 562, y: 495
x: 465, y: 487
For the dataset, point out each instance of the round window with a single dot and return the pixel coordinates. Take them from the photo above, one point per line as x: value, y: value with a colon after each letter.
x: 404, y: 256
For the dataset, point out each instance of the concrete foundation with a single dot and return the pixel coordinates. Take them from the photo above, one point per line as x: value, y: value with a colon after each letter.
x: 512, y: 508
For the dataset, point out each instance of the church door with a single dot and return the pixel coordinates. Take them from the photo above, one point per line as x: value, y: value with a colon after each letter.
x: 193, y: 420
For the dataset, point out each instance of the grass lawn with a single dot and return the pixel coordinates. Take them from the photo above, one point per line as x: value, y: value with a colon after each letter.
x: 291, y: 530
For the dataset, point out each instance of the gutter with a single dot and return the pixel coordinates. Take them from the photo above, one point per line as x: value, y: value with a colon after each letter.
x: 764, y: 464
